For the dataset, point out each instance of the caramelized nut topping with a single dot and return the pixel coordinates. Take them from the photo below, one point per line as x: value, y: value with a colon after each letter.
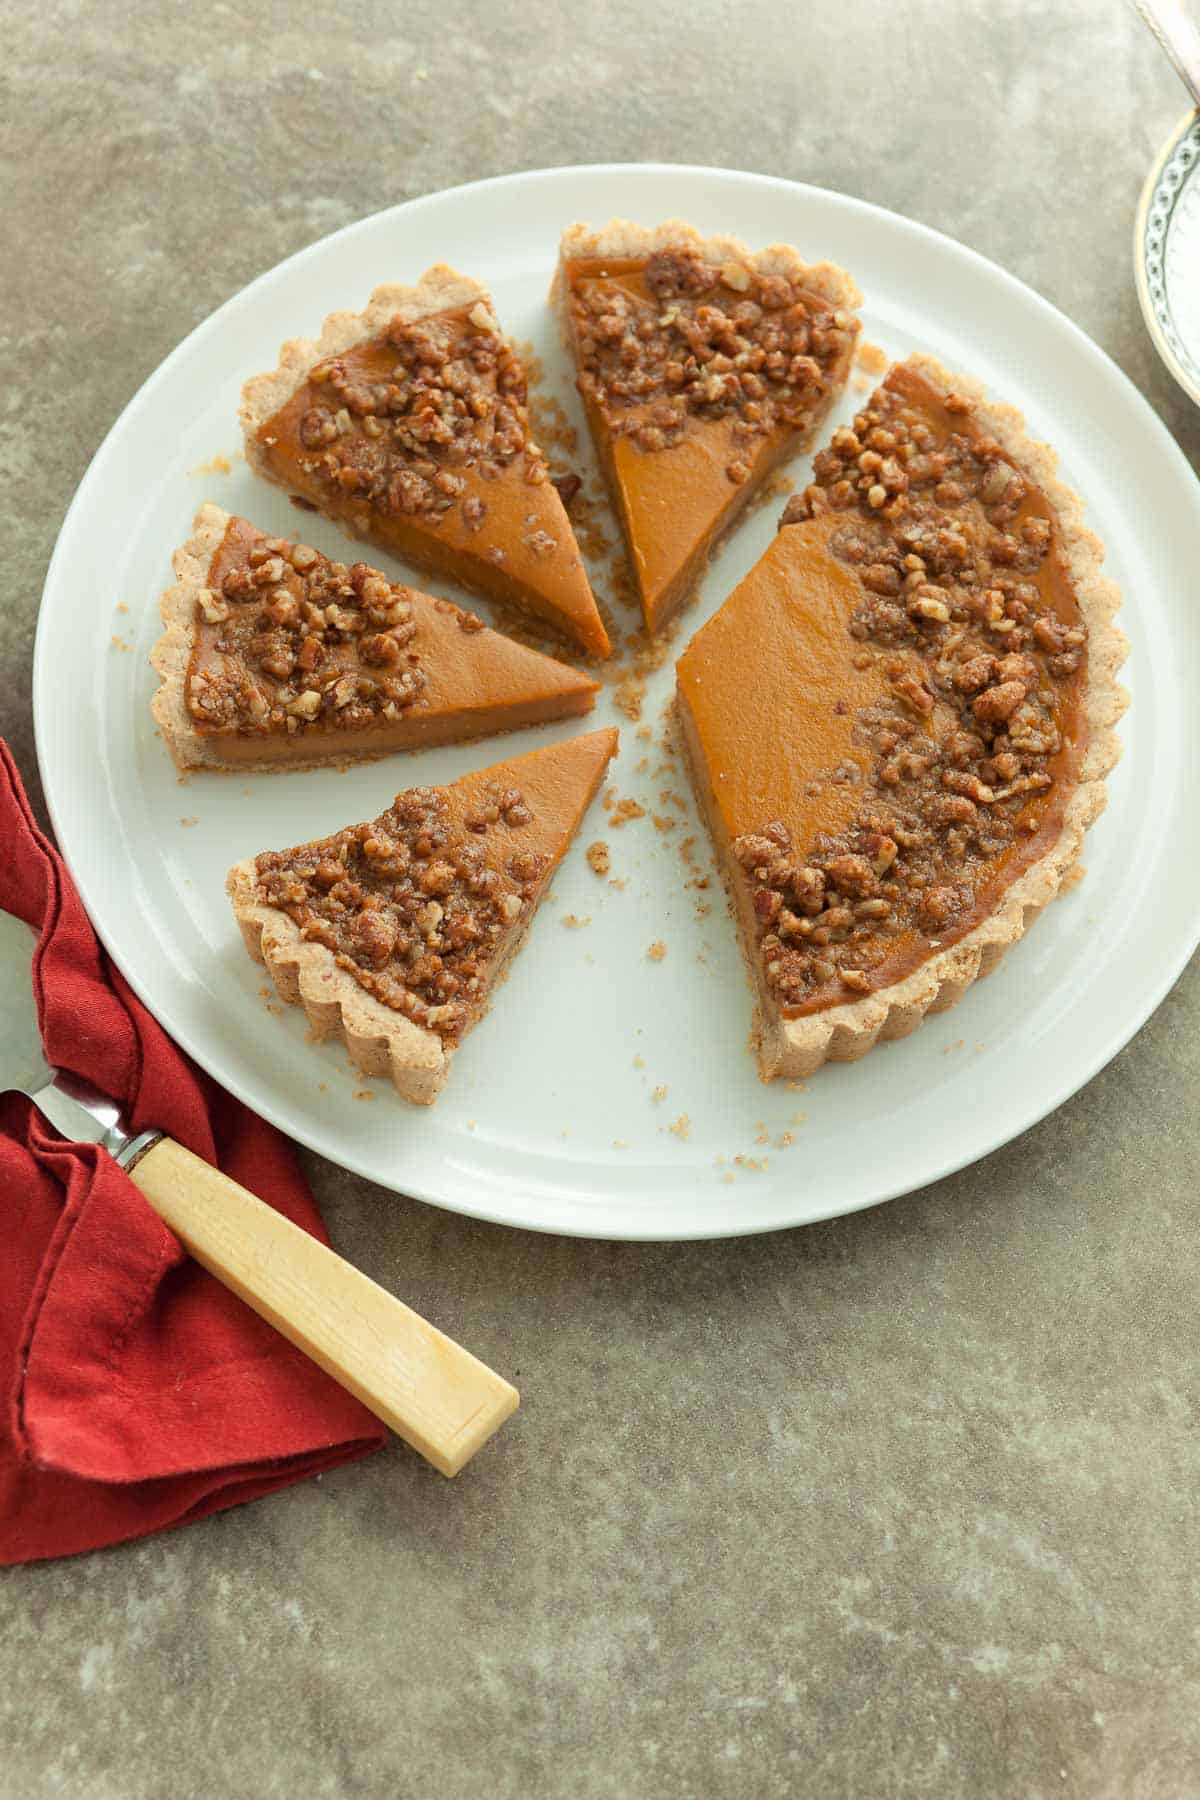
x: 395, y: 421
x: 414, y: 905
x: 293, y: 640
x: 954, y: 549
x: 703, y: 341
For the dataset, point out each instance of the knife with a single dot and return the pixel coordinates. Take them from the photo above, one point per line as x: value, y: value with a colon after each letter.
x: 428, y: 1389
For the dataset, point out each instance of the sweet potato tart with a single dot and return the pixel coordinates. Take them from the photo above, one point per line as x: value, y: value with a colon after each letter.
x: 275, y: 656
x: 702, y: 366
x: 900, y: 722
x: 394, y: 933
x: 407, y: 424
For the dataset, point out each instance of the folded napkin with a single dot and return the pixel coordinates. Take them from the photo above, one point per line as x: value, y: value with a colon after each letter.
x: 135, y: 1391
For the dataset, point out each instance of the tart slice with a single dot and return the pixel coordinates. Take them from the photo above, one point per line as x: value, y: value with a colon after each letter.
x: 275, y: 657
x: 702, y: 366
x: 394, y: 933
x: 899, y: 724
x: 407, y: 424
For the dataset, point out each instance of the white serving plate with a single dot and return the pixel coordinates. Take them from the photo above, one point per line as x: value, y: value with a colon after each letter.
x: 548, y: 1120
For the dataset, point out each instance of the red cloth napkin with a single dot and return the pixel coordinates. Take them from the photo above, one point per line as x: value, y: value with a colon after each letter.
x: 136, y: 1392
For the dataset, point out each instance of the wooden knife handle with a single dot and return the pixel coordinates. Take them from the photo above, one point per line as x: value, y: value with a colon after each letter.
x: 432, y: 1393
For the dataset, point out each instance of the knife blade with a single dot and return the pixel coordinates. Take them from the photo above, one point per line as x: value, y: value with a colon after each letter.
x: 428, y: 1389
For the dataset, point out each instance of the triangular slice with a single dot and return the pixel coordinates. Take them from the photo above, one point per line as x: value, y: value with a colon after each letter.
x: 900, y: 722
x: 275, y: 657
x: 394, y: 933
x: 702, y: 365
x: 407, y: 423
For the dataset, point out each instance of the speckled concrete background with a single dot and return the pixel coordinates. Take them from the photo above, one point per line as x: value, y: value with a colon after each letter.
x: 901, y: 1505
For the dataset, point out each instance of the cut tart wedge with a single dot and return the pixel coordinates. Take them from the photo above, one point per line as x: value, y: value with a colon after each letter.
x: 394, y: 933
x: 702, y: 365
x: 408, y: 425
x: 900, y: 722
x: 276, y: 657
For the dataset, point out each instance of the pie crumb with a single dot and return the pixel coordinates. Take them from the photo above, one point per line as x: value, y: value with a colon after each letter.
x: 727, y: 1176
x: 364, y: 1094
x: 639, y: 1062
x: 620, y: 1144
x: 628, y: 696
x: 785, y: 1140
x: 322, y: 1087
x: 657, y: 950
x: 470, y: 1124
x: 644, y: 734
x: 598, y: 857
x: 619, y: 882
x: 574, y: 923
x: 121, y: 607
x: 660, y: 1093
x: 622, y: 811
x: 216, y: 465
x: 192, y: 819
x: 681, y: 1126
x: 871, y: 358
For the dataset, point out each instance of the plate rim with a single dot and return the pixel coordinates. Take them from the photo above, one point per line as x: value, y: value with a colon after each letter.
x: 630, y: 1230
x: 1154, y: 331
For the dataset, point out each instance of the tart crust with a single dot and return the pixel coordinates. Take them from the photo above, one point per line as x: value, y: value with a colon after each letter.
x: 172, y: 653
x: 379, y: 1040
x: 622, y: 238
x: 845, y: 1033
x: 440, y: 289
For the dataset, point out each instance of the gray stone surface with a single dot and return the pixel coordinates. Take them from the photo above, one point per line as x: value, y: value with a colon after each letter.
x: 899, y: 1505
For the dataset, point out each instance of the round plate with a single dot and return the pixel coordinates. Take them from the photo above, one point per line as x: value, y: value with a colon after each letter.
x: 1166, y: 254
x: 551, y: 1118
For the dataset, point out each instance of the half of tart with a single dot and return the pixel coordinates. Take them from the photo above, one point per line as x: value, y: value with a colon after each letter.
x: 276, y: 657
x: 407, y: 423
x: 394, y: 933
x: 899, y: 723
x: 702, y: 366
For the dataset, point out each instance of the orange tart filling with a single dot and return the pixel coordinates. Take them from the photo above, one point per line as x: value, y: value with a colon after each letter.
x: 886, y: 717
